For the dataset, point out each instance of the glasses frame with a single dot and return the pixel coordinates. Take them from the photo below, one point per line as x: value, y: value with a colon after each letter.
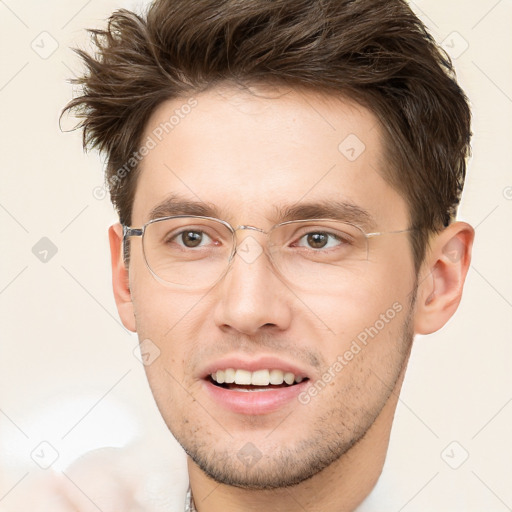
x: 129, y: 232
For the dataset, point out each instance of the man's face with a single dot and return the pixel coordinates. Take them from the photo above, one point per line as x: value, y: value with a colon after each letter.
x: 249, y: 155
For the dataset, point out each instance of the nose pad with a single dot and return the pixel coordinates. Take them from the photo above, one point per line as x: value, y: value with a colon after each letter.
x: 249, y: 249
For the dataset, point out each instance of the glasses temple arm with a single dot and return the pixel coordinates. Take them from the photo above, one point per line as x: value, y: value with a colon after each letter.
x: 128, y: 232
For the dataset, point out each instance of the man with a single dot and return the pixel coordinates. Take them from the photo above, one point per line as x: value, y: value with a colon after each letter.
x: 286, y: 176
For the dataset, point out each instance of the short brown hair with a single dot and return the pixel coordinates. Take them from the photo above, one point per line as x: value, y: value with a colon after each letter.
x: 376, y: 52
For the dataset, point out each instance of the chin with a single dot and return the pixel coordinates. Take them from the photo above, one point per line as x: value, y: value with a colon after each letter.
x: 273, y: 467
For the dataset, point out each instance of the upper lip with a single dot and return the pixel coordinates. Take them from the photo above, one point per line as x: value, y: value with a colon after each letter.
x: 260, y: 363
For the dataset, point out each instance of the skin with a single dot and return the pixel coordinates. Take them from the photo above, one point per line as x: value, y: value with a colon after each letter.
x: 245, y: 153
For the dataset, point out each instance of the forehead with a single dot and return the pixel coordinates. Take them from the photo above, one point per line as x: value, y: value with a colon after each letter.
x: 252, y: 154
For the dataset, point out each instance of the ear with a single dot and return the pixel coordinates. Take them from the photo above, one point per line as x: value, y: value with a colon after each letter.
x: 442, y: 277
x: 120, y: 280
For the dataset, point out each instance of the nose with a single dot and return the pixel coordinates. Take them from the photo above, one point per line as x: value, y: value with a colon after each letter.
x: 252, y: 296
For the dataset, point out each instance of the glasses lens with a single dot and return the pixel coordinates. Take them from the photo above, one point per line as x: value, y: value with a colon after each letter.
x: 318, y: 254
x: 190, y: 252
x: 194, y: 252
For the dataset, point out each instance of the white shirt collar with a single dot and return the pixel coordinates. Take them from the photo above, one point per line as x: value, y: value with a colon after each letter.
x: 189, y: 502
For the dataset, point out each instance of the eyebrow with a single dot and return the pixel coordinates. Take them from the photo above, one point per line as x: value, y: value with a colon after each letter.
x: 328, y: 209
x: 345, y: 211
x: 175, y: 204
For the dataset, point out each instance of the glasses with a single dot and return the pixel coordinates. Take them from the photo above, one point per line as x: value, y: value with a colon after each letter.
x: 195, y: 252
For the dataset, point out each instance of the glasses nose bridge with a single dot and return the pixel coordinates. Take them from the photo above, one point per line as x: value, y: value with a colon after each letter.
x: 244, y: 227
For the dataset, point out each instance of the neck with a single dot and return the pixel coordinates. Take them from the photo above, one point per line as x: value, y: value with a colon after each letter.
x: 340, y: 487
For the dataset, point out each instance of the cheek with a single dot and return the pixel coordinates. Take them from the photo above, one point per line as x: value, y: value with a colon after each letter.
x: 357, y: 304
x: 158, y: 308
x: 363, y: 321
x: 170, y: 319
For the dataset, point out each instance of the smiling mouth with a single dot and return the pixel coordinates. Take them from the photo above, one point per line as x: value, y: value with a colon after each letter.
x: 259, y: 380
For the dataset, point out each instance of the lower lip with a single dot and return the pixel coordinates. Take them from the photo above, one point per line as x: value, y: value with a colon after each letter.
x: 254, y: 402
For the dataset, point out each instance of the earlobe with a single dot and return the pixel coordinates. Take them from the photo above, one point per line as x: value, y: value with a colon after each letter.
x: 120, y: 279
x: 442, y: 277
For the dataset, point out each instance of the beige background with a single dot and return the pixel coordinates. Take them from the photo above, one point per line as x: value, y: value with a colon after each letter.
x: 68, y: 374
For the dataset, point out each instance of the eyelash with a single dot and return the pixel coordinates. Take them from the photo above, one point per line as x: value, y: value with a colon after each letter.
x: 302, y: 236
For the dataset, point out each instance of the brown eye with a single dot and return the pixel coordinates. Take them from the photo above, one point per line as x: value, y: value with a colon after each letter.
x: 191, y: 238
x: 317, y: 240
x: 320, y: 240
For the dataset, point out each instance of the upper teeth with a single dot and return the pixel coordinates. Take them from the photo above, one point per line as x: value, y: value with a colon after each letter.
x: 257, y: 378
